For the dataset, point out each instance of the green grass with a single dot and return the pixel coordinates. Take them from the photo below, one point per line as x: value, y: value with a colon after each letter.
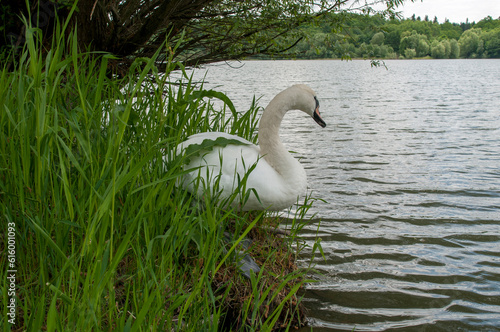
x: 104, y: 239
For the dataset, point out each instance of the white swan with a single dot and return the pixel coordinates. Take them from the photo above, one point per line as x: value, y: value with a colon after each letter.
x: 278, y: 178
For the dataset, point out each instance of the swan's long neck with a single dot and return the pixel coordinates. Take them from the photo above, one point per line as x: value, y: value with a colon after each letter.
x: 271, y: 147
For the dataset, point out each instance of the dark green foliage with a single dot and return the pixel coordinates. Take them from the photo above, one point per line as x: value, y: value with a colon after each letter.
x: 373, y: 36
x: 207, y: 145
x: 205, y: 30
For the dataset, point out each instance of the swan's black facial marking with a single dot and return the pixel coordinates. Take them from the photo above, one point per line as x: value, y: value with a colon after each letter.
x: 317, y: 116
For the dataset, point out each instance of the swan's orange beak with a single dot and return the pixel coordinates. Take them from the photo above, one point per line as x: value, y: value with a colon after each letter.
x: 317, y: 116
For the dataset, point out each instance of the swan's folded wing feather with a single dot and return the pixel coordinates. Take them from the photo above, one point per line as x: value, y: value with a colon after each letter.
x: 224, y: 168
x: 218, y: 164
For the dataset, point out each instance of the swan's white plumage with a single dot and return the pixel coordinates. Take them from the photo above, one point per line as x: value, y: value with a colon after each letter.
x: 278, y: 178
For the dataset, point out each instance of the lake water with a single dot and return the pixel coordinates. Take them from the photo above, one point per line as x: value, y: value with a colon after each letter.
x: 409, y: 168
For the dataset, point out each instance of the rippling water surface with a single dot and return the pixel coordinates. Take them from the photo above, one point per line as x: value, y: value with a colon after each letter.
x: 409, y: 168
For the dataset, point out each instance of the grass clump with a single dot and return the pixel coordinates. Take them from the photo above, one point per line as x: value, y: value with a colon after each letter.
x: 104, y: 239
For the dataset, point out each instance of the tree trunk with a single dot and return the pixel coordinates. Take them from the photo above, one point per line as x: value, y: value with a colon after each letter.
x: 90, y: 23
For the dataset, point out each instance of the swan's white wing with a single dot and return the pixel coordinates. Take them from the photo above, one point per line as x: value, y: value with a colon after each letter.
x: 223, y: 169
x: 217, y: 164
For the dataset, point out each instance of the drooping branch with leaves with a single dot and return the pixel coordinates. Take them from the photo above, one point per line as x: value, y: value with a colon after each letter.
x: 204, y: 30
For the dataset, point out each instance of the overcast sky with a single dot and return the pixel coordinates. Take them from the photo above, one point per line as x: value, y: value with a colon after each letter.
x: 457, y: 11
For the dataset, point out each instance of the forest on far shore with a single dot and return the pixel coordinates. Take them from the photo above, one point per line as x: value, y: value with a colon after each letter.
x: 367, y: 36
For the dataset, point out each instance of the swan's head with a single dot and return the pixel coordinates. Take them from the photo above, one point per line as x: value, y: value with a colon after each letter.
x: 307, y: 102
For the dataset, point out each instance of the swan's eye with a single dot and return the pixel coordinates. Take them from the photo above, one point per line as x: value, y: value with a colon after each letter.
x: 317, y: 102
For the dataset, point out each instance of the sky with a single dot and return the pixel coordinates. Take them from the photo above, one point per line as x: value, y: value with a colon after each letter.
x: 457, y: 11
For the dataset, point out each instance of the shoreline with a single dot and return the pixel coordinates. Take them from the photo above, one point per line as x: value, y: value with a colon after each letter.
x: 361, y: 59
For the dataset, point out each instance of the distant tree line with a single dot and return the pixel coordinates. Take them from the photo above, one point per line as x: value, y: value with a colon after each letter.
x: 373, y: 36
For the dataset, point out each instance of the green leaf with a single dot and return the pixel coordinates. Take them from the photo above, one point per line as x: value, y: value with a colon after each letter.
x: 214, y: 94
x: 207, y: 145
x: 142, y: 313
